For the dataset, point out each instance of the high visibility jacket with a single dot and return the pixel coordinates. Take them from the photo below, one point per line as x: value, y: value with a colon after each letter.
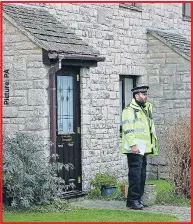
x: 137, y: 123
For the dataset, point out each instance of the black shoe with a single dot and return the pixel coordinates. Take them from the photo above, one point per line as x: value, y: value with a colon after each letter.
x: 144, y: 205
x: 134, y: 204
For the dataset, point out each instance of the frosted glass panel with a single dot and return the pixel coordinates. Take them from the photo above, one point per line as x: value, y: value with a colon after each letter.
x: 65, y: 104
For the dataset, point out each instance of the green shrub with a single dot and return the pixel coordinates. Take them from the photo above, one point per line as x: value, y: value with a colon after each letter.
x: 103, y: 180
x: 95, y: 194
x: 57, y: 205
x: 177, y: 150
x: 166, y: 193
x: 28, y: 177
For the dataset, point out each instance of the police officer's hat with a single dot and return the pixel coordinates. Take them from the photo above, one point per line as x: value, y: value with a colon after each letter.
x: 139, y: 89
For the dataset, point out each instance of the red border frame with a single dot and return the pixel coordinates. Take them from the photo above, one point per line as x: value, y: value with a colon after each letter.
x: 100, y: 1
x: 1, y: 114
x: 1, y: 93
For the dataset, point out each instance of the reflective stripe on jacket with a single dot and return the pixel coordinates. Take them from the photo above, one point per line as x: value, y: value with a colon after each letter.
x: 137, y: 125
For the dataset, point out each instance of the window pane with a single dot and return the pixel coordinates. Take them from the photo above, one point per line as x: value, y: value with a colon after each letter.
x: 65, y: 104
x: 187, y: 9
x: 128, y: 93
x: 128, y: 85
x: 120, y: 98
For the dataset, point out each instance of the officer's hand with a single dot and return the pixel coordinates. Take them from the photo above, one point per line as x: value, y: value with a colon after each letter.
x: 134, y: 149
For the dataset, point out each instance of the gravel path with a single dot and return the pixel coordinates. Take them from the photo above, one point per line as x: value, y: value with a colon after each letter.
x: 182, y: 213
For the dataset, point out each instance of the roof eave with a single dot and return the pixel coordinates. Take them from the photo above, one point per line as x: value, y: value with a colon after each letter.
x: 28, y: 34
x: 80, y: 57
x: 154, y: 34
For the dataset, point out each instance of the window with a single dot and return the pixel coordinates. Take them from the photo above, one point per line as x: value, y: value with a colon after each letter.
x: 186, y: 11
x: 126, y: 83
x: 132, y: 6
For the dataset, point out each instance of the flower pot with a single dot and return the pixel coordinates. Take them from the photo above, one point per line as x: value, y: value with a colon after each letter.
x: 105, y: 191
x: 124, y: 189
x: 150, y: 194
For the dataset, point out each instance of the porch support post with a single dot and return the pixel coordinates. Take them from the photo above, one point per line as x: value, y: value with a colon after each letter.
x: 53, y: 118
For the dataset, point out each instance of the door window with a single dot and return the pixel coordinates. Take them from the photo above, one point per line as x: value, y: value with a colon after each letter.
x: 126, y: 83
x: 65, y: 104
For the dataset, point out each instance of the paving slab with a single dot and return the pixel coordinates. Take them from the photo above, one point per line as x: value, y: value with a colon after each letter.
x: 181, y: 212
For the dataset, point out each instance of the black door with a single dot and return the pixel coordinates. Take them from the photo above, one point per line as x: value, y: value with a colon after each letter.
x: 68, y: 145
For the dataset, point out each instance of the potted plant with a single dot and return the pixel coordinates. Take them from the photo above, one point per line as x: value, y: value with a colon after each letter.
x: 105, y: 182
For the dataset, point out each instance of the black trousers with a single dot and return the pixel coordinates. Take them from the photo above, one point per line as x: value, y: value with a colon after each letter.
x: 137, y: 176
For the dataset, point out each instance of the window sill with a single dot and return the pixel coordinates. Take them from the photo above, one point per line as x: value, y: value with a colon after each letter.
x: 184, y: 18
x: 132, y: 7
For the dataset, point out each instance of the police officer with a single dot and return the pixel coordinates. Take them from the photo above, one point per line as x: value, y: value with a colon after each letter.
x: 138, y: 140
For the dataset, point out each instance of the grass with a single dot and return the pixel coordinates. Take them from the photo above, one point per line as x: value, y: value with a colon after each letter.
x: 166, y: 194
x: 63, y: 212
x: 89, y: 215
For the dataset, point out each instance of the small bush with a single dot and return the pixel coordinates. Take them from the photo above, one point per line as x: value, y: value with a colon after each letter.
x: 177, y: 150
x: 166, y: 193
x: 103, y: 180
x: 95, y: 194
x: 28, y: 177
x: 57, y: 205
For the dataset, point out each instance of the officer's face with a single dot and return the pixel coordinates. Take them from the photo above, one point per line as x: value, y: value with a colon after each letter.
x: 141, y: 97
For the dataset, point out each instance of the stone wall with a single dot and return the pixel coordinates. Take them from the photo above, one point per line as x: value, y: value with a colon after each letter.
x: 28, y: 108
x: 169, y: 80
x: 120, y: 36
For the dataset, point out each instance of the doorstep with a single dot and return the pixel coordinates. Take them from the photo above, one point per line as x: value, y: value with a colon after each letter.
x: 71, y: 196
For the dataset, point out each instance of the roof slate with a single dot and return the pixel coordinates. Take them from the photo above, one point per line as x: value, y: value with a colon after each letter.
x: 174, y: 40
x: 49, y: 33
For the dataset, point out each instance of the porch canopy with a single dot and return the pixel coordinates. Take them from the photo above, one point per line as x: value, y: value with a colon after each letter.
x: 57, y: 40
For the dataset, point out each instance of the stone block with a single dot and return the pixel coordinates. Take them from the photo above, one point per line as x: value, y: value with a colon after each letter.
x: 166, y: 70
x: 179, y: 86
x: 126, y: 23
x: 37, y: 97
x: 20, y: 93
x: 167, y: 86
x: 34, y: 64
x: 158, y: 118
x: 179, y: 103
x: 188, y: 103
x: 188, y: 86
x: 33, y: 111
x: 19, y: 63
x: 17, y: 101
x: 36, y: 73
x: 185, y: 77
x: 10, y: 111
x: 176, y: 60
x: 183, y: 67
x: 16, y: 120
x: 113, y: 95
x: 156, y: 90
x: 36, y: 124
x: 153, y: 80
x: 10, y: 129
x: 24, y: 45
x: 41, y: 84
x: 17, y: 75
x: 169, y: 95
x: 22, y: 85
